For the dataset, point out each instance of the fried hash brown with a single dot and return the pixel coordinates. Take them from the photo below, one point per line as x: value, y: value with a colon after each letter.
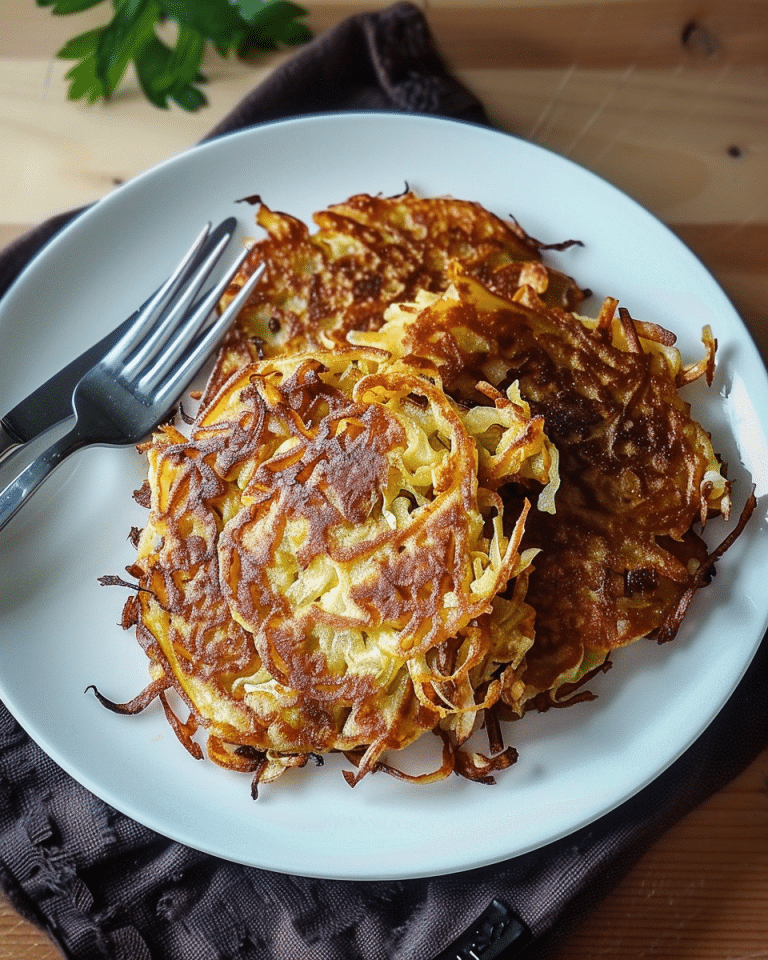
x: 327, y: 564
x: 421, y: 493
x: 366, y: 254
x: 618, y: 552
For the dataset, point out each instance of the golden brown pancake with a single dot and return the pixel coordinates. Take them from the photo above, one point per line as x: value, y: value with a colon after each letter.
x: 327, y: 565
x: 366, y: 254
x: 618, y: 553
x: 421, y: 494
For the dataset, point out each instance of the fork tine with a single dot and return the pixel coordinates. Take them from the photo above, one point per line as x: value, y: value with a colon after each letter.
x: 188, y: 329
x: 108, y: 402
x: 175, y: 310
x: 152, y: 308
x: 175, y: 377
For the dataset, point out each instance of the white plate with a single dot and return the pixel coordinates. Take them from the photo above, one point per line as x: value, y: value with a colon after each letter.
x: 58, y: 626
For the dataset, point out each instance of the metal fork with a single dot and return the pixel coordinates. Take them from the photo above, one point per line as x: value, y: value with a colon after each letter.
x: 136, y: 384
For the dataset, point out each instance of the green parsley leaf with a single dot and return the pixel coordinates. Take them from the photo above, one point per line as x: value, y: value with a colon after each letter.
x: 67, y: 6
x: 85, y: 82
x: 171, y: 72
x: 129, y: 31
x: 217, y: 20
x: 272, y: 25
x: 82, y: 45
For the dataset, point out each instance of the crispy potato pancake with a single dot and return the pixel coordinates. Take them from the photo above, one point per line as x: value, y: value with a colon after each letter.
x: 618, y: 553
x: 366, y: 254
x: 328, y: 566
x: 421, y: 493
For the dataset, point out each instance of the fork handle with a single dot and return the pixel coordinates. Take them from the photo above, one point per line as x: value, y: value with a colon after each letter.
x: 20, y: 489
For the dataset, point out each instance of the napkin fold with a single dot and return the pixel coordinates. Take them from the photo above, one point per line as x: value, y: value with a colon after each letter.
x: 106, y: 888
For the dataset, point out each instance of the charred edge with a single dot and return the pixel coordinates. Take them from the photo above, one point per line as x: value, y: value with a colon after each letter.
x: 139, y: 703
x: 480, y: 769
x: 186, y: 417
x: 183, y: 731
x: 257, y: 777
x: 630, y: 331
x: 669, y: 628
x: 540, y: 245
x: 570, y: 693
x: 111, y: 580
x: 493, y: 731
x: 143, y: 496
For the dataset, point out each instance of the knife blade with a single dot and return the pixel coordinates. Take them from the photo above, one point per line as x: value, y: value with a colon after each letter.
x: 51, y: 402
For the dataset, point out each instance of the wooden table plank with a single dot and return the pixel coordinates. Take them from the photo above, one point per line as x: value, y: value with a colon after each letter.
x: 19, y: 940
x: 648, y: 33
x: 701, y: 892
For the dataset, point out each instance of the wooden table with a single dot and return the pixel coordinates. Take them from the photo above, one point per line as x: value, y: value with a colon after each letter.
x: 667, y: 99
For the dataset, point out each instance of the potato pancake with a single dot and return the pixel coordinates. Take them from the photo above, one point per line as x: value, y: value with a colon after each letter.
x: 421, y: 493
x: 618, y: 553
x: 327, y: 565
x: 366, y: 254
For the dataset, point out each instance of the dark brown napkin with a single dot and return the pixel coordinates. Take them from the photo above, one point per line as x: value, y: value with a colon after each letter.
x: 103, y: 886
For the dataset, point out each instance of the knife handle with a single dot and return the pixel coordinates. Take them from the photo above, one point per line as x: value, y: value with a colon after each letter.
x: 20, y: 489
x: 497, y: 933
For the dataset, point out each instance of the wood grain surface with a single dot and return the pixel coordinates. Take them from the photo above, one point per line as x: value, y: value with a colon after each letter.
x: 666, y: 99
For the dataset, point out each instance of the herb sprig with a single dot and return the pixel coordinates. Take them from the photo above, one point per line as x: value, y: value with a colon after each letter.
x: 171, y: 72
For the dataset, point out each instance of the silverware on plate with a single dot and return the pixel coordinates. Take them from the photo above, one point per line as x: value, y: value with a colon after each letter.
x: 51, y: 403
x: 134, y: 385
